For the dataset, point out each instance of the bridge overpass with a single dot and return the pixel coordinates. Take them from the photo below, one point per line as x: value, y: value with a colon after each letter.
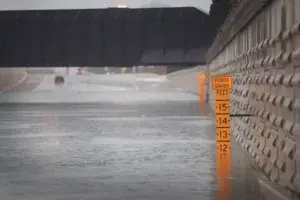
x: 258, y: 45
x: 104, y: 37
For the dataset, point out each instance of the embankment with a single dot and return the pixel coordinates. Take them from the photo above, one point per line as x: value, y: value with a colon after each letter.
x: 12, y: 79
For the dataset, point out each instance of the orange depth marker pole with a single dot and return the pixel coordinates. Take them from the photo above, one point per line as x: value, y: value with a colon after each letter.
x: 222, y: 86
x: 202, y: 78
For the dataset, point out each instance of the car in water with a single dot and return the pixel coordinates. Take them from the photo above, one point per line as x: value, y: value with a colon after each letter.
x: 80, y: 71
x: 59, y: 79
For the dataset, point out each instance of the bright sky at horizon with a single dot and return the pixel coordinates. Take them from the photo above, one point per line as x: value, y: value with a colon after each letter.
x: 75, y: 4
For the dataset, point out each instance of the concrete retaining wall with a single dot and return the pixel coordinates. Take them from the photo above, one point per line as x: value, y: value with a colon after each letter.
x: 259, y: 46
x: 188, y: 79
x: 263, y: 58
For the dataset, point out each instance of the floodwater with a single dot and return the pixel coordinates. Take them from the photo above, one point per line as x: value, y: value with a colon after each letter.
x: 125, y: 143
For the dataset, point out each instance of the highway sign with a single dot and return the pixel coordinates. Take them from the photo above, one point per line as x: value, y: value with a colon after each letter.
x: 222, y: 86
x: 223, y: 147
x: 222, y: 107
x: 223, y: 134
x: 222, y: 95
x: 222, y: 82
x: 223, y: 121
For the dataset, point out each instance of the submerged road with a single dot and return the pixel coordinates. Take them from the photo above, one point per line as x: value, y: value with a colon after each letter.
x: 110, y: 137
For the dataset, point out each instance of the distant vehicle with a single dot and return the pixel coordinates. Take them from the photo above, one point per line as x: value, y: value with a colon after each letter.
x: 59, y: 79
x: 80, y: 71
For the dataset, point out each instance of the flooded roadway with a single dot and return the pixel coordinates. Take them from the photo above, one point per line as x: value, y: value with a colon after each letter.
x: 125, y: 143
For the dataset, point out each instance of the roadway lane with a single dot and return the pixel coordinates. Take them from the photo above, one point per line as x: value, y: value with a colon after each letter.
x: 126, y: 143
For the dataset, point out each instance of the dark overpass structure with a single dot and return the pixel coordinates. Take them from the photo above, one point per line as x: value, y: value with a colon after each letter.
x: 104, y: 37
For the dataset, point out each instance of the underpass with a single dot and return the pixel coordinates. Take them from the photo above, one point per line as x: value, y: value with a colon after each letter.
x: 150, y: 143
x: 258, y: 46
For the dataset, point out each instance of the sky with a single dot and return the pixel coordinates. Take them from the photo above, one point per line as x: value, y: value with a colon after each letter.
x: 75, y: 4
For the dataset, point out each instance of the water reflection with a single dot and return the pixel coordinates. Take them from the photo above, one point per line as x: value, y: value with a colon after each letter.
x: 157, y: 157
x: 223, y: 163
x: 52, y: 126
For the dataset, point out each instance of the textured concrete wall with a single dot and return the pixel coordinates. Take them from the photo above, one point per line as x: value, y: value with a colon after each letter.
x: 264, y: 60
x: 262, y: 54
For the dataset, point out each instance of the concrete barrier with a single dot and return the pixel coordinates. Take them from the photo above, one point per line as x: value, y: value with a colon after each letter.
x: 187, y: 79
x: 40, y: 70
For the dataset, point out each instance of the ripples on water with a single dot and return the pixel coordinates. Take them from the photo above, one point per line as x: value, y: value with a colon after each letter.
x: 71, y: 155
